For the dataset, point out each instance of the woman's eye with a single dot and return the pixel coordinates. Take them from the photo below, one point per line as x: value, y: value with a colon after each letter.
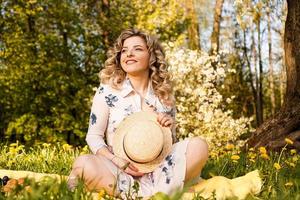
x: 139, y: 49
x: 123, y: 50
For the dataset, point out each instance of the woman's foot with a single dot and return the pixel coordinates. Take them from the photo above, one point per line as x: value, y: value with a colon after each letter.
x: 72, y: 182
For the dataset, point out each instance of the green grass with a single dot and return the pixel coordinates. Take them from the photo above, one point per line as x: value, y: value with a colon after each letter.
x: 56, y: 158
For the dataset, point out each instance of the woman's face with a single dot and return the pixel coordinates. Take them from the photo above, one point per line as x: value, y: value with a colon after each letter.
x: 135, y: 56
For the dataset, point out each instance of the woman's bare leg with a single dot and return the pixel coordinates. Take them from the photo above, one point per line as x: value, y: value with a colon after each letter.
x: 94, y: 173
x: 196, y: 157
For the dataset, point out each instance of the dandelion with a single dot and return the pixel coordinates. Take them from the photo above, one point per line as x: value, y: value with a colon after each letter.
x: 262, y: 150
x: 288, y: 141
x: 265, y: 156
x: 13, y: 150
x: 101, y: 194
x: 251, y: 156
x: 67, y: 147
x: 289, y: 184
x: 235, y: 157
x: 84, y: 150
x: 229, y: 146
x: 46, y: 145
x: 277, y: 166
x: 14, y: 144
x: 293, y: 151
x: 295, y: 159
x: 292, y: 164
x: 251, y: 149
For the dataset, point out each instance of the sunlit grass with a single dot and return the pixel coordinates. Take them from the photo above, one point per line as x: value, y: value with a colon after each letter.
x: 280, y: 171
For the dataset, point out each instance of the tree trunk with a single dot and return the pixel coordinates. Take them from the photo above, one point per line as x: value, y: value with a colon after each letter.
x: 285, y: 123
x: 248, y: 63
x: 255, y: 90
x: 260, y: 77
x: 271, y: 71
x: 216, y: 26
x: 193, y: 27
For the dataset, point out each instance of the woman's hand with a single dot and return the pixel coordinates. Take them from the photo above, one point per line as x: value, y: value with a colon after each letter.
x: 126, y: 166
x: 165, y: 120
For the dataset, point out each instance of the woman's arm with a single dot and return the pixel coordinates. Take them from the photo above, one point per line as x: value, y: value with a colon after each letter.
x: 98, y: 121
x: 97, y: 127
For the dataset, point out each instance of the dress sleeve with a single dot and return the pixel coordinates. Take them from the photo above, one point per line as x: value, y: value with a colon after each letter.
x: 98, y: 121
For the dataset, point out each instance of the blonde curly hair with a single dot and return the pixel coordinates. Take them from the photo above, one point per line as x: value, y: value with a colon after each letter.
x: 114, y: 75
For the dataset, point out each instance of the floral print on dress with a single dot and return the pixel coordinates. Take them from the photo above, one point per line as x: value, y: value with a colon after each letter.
x: 93, y: 119
x: 101, y: 89
x: 111, y: 99
x: 128, y: 110
x: 167, y: 168
x: 150, y: 105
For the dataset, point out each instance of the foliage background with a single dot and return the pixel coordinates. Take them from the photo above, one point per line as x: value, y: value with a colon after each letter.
x: 51, y: 53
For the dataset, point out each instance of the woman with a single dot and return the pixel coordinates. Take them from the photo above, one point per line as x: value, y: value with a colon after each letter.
x: 134, y: 79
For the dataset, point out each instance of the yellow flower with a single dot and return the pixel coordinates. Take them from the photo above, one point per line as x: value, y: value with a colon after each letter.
x: 262, y: 150
x: 251, y: 149
x: 229, y: 146
x: 67, y: 147
x: 251, y: 160
x: 251, y: 155
x: 288, y: 184
x: 295, y: 159
x: 14, y: 144
x: 265, y: 156
x: 46, y: 145
x: 101, y: 194
x: 293, y: 151
x: 288, y: 141
x: 277, y: 166
x: 292, y: 164
x: 235, y: 157
x: 13, y: 150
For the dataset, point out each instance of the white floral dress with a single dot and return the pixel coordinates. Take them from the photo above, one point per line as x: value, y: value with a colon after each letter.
x: 110, y: 107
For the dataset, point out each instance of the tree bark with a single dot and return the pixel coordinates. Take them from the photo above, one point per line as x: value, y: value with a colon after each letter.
x: 256, y: 88
x: 285, y: 123
x: 215, y: 43
x: 193, y: 27
x: 271, y: 71
x: 259, y: 88
x: 248, y: 63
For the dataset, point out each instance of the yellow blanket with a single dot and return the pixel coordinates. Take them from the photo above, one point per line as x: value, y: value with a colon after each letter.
x: 220, y: 187
x: 224, y: 188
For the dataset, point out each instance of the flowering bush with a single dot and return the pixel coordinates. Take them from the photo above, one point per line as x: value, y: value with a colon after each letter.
x: 200, y: 107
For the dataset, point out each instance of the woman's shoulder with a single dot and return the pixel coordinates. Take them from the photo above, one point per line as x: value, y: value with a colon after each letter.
x: 105, y: 89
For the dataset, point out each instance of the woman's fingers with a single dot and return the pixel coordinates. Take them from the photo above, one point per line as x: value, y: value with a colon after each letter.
x: 131, y: 166
x: 164, y: 119
x: 159, y: 117
x: 134, y: 173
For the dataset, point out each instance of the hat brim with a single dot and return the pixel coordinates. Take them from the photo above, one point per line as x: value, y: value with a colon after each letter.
x: 133, y: 120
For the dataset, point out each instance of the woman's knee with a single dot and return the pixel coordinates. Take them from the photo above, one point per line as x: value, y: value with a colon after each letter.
x: 198, y: 148
x: 86, y: 165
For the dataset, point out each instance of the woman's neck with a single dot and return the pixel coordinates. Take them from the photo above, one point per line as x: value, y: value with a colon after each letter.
x: 139, y: 83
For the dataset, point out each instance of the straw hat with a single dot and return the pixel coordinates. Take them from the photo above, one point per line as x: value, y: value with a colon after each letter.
x: 141, y: 140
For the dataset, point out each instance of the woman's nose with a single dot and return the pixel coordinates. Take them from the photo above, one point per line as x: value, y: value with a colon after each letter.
x: 129, y: 53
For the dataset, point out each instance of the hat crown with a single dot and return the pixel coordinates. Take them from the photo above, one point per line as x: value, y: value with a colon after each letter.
x: 143, y: 143
x: 135, y: 127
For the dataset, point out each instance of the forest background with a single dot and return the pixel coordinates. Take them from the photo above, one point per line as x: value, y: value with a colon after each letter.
x: 226, y: 58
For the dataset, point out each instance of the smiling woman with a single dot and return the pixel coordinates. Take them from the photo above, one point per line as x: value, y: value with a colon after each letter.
x: 136, y: 94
